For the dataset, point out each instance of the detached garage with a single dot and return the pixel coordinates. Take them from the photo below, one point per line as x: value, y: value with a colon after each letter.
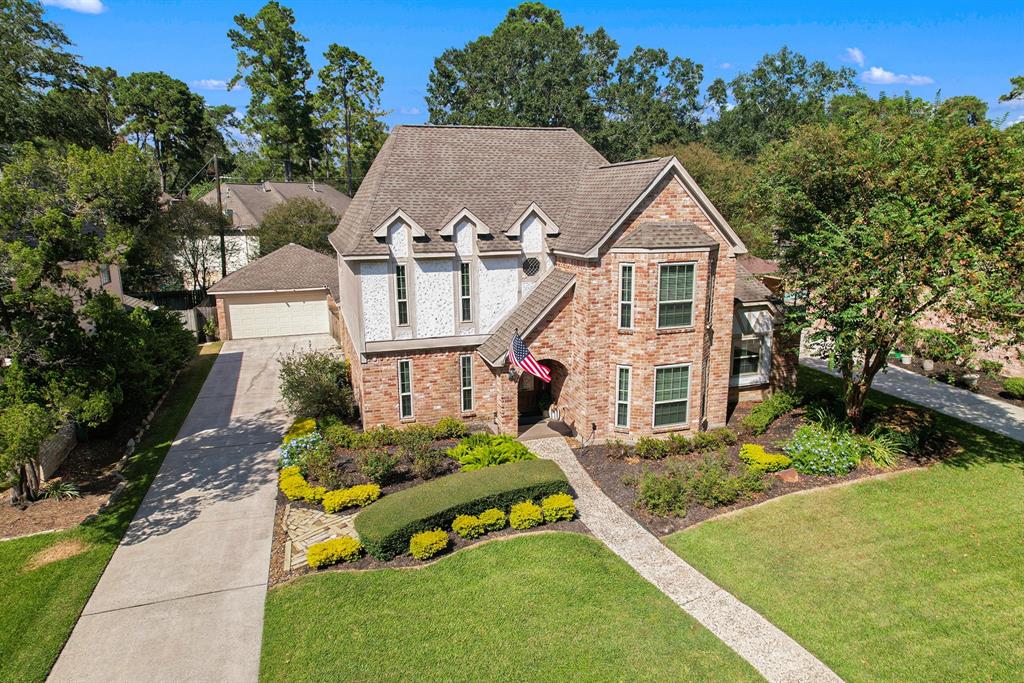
x: 287, y: 292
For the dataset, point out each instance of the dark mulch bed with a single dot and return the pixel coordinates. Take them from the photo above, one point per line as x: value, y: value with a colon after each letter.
x: 611, y: 474
x: 90, y: 467
x: 348, y: 474
x: 278, y: 573
x: 991, y: 387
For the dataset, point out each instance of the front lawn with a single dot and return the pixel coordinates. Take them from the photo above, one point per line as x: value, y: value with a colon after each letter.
x: 42, y: 604
x: 915, y: 577
x: 543, y: 607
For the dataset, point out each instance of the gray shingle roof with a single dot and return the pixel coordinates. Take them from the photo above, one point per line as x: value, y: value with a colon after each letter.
x: 749, y: 289
x: 249, y: 203
x: 529, y: 311
x: 289, y: 268
x: 433, y: 172
x: 677, y: 235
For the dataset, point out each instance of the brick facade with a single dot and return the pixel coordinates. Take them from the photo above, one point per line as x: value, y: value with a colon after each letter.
x: 582, y: 334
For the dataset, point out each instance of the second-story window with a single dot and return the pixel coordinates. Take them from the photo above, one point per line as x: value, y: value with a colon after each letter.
x: 401, y: 296
x: 626, y: 295
x: 465, y: 292
x: 675, y: 295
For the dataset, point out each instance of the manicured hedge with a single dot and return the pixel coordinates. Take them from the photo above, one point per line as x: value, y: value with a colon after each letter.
x: 386, y: 526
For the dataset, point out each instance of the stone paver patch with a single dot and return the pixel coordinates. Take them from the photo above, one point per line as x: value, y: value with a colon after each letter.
x: 775, y: 655
x: 306, y: 526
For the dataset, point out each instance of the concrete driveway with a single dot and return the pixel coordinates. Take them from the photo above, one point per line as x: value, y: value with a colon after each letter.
x: 182, y: 597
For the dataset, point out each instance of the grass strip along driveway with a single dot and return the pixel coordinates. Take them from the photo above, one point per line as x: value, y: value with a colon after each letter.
x: 42, y: 604
x: 917, y: 577
x: 544, y: 607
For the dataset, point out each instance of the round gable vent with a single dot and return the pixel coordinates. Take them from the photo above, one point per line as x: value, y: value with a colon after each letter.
x: 531, y: 267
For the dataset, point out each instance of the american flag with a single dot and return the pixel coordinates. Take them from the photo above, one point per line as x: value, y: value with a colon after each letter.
x: 519, y: 356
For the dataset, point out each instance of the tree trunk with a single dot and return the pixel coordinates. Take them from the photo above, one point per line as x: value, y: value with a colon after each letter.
x: 288, y: 169
x: 28, y: 484
x: 856, y: 393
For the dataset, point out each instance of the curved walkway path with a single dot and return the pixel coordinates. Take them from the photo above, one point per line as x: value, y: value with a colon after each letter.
x: 981, y: 411
x: 774, y: 654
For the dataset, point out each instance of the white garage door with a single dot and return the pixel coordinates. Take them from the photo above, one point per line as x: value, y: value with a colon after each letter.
x: 265, y: 318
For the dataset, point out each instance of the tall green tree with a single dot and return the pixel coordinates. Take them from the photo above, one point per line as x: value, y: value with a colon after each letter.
x: 83, y: 111
x: 652, y: 100
x: 272, y: 62
x: 34, y: 60
x: 532, y: 70
x: 302, y: 221
x: 348, y: 110
x: 1016, y: 90
x: 891, y: 213
x: 782, y: 91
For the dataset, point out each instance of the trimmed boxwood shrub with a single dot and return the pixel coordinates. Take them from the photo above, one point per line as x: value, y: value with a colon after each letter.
x: 525, y: 515
x: 300, y: 428
x: 492, y: 519
x: 386, y: 526
x: 426, y: 544
x: 354, y: 496
x: 336, y: 550
x: 558, y: 507
x: 1014, y: 386
x: 469, y: 526
x: 768, y: 411
x: 757, y: 458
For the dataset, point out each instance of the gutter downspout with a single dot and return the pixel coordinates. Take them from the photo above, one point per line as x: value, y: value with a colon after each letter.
x: 709, y: 336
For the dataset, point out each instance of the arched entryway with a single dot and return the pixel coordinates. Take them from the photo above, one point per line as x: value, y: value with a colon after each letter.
x: 537, y: 399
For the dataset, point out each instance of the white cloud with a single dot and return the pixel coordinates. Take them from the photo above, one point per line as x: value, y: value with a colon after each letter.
x: 725, y: 65
x: 410, y: 111
x: 855, y: 55
x: 876, y: 75
x: 83, y: 6
x: 210, y: 84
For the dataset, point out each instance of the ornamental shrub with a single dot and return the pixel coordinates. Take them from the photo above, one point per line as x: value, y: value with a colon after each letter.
x: 386, y: 526
x: 426, y: 544
x: 525, y: 515
x: 344, y: 549
x: 663, y: 494
x: 1014, y: 387
x: 377, y: 465
x: 300, y: 428
x: 816, y: 450
x: 340, y: 435
x: 317, y: 383
x: 295, y: 451
x: 712, y: 484
x: 493, y: 519
x: 769, y: 410
x: 292, y: 483
x: 469, y: 526
x: 558, y: 507
x: 649, y: 448
x: 449, y: 428
x: 380, y: 436
x: 487, y: 450
x: 354, y: 496
x: 757, y: 458
x: 428, y: 463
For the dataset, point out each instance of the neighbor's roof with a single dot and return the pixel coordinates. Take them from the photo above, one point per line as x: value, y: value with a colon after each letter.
x: 432, y: 173
x: 662, y: 236
x: 759, y: 266
x: 749, y: 289
x: 249, y: 203
x: 292, y: 267
x: 527, y: 314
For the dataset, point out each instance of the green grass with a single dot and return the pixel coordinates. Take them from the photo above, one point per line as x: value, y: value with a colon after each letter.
x: 917, y: 577
x: 41, y: 606
x: 549, y: 607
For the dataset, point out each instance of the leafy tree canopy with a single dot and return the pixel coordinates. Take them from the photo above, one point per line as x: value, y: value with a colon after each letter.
x: 890, y: 213
x: 303, y: 221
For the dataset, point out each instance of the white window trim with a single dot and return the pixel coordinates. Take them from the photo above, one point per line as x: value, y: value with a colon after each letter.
x: 462, y: 296
x: 408, y: 310
x: 654, y: 396
x: 632, y: 296
x: 764, y: 362
x: 412, y: 410
x: 463, y: 387
x: 629, y: 395
x: 658, y: 302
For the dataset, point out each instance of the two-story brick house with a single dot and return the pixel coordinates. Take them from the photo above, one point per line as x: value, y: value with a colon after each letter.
x: 622, y: 278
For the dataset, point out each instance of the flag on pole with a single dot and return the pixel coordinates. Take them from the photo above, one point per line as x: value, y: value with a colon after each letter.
x: 519, y: 356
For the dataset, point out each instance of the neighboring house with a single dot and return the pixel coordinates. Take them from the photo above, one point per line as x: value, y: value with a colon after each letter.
x: 622, y: 278
x: 246, y: 204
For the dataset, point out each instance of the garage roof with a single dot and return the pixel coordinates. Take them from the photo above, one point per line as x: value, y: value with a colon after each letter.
x: 288, y: 269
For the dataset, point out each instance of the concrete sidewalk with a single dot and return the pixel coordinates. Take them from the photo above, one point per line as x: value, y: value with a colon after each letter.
x: 987, y: 413
x: 775, y: 655
x: 182, y: 598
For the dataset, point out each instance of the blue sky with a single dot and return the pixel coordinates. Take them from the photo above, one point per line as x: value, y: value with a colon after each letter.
x: 956, y: 47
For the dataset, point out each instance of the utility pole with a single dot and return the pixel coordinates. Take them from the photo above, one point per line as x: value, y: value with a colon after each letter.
x: 220, y: 211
